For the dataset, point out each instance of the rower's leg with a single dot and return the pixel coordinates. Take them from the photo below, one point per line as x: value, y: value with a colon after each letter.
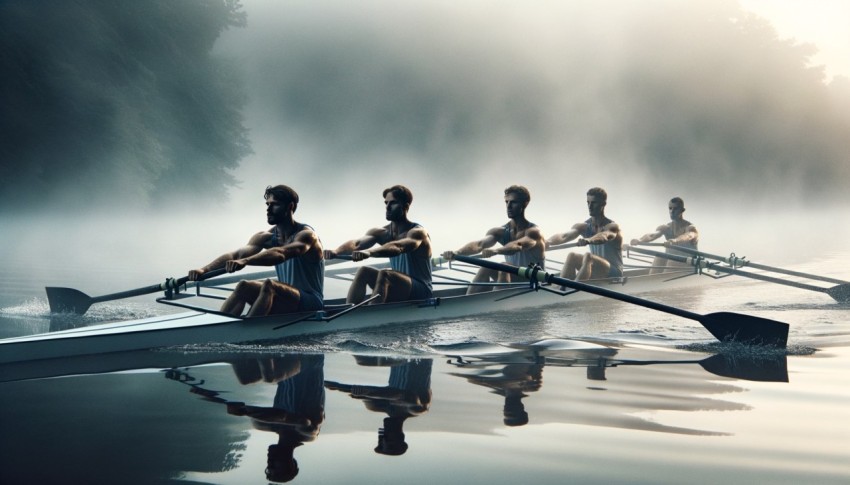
x: 245, y: 292
x: 658, y: 265
x: 571, y: 266
x: 364, y: 277
x: 593, y: 267
x: 483, y: 275
x: 393, y: 286
x: 274, y: 298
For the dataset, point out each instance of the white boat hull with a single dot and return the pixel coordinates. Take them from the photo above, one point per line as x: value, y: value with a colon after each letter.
x: 196, y: 327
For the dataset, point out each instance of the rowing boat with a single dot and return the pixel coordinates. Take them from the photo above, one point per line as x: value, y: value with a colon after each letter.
x: 204, y: 325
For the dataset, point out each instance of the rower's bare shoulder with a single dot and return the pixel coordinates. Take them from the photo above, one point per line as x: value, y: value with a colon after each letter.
x: 260, y: 238
x: 418, y: 233
x: 496, y: 232
x: 378, y: 232
x: 534, y: 233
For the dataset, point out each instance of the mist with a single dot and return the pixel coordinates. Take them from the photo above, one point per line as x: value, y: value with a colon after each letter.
x: 456, y: 100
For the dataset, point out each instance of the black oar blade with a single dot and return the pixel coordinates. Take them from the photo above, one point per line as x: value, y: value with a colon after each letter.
x: 67, y: 300
x: 747, y: 367
x: 728, y: 326
x: 841, y: 293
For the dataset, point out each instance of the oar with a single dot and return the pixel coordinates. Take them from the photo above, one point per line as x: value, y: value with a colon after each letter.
x: 71, y: 300
x: 735, y: 261
x: 556, y: 247
x: 839, y: 292
x: 723, y: 325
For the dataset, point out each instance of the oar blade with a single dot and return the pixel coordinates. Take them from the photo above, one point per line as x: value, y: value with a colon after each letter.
x: 67, y: 300
x: 748, y: 367
x: 728, y: 326
x: 840, y: 293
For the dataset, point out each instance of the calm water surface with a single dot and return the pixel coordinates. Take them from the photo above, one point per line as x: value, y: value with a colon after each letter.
x: 590, y: 393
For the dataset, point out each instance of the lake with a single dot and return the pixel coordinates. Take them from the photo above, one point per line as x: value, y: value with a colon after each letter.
x: 595, y: 392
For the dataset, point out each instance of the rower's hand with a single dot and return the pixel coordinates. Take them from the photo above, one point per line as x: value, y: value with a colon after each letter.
x: 448, y: 255
x: 669, y: 243
x: 359, y: 255
x: 488, y: 253
x: 195, y: 274
x: 234, y: 265
x: 635, y: 242
x: 329, y: 254
x: 582, y: 242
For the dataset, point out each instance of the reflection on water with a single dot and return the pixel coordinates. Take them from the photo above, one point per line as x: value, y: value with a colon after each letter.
x: 225, y: 399
x: 296, y: 414
x: 407, y: 394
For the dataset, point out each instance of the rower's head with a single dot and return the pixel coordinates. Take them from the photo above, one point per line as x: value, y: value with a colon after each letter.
x: 281, y: 202
x: 676, y: 206
x: 596, y: 200
x: 391, y: 437
x: 517, y: 198
x: 281, y: 465
x: 397, y: 200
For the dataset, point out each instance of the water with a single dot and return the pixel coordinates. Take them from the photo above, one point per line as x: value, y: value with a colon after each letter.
x: 591, y: 393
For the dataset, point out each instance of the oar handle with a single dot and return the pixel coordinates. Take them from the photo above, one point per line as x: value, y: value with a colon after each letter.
x: 556, y: 247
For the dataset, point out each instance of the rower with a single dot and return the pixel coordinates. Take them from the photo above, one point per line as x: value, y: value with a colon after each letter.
x: 677, y: 233
x: 521, y: 242
x: 603, y: 238
x: 407, y: 245
x: 291, y: 247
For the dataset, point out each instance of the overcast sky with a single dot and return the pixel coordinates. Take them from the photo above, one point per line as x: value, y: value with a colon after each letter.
x: 649, y: 99
x: 821, y: 22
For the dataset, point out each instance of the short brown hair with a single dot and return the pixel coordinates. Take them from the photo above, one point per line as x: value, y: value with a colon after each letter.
x: 282, y: 193
x: 519, y: 190
x: 598, y: 191
x: 401, y: 193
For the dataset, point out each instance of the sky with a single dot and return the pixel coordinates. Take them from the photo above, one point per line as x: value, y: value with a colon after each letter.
x: 649, y: 99
x: 472, y: 97
x: 820, y: 22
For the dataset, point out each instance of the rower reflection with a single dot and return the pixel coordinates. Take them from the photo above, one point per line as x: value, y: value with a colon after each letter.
x: 407, y: 394
x: 296, y: 414
x: 513, y: 381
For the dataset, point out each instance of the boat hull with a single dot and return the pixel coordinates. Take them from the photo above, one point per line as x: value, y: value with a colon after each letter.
x: 198, y: 327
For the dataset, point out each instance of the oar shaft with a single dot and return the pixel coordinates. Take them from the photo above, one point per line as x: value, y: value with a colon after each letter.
x: 147, y: 290
x: 723, y: 325
x: 703, y: 264
x: 545, y: 277
x: 740, y: 262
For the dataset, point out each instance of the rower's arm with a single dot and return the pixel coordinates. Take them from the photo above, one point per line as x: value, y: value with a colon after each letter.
x: 415, y: 238
x: 609, y: 233
x: 565, y: 237
x: 370, y: 239
x: 691, y: 234
x: 650, y: 236
x: 532, y: 238
x: 302, y: 243
x: 475, y: 247
x: 254, y: 246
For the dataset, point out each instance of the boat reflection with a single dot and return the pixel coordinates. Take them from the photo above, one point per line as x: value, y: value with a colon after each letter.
x: 407, y: 394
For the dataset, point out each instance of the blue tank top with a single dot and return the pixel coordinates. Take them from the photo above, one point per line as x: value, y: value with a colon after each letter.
x: 308, y: 276
x: 418, y: 268
x: 523, y: 258
x: 612, y: 251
